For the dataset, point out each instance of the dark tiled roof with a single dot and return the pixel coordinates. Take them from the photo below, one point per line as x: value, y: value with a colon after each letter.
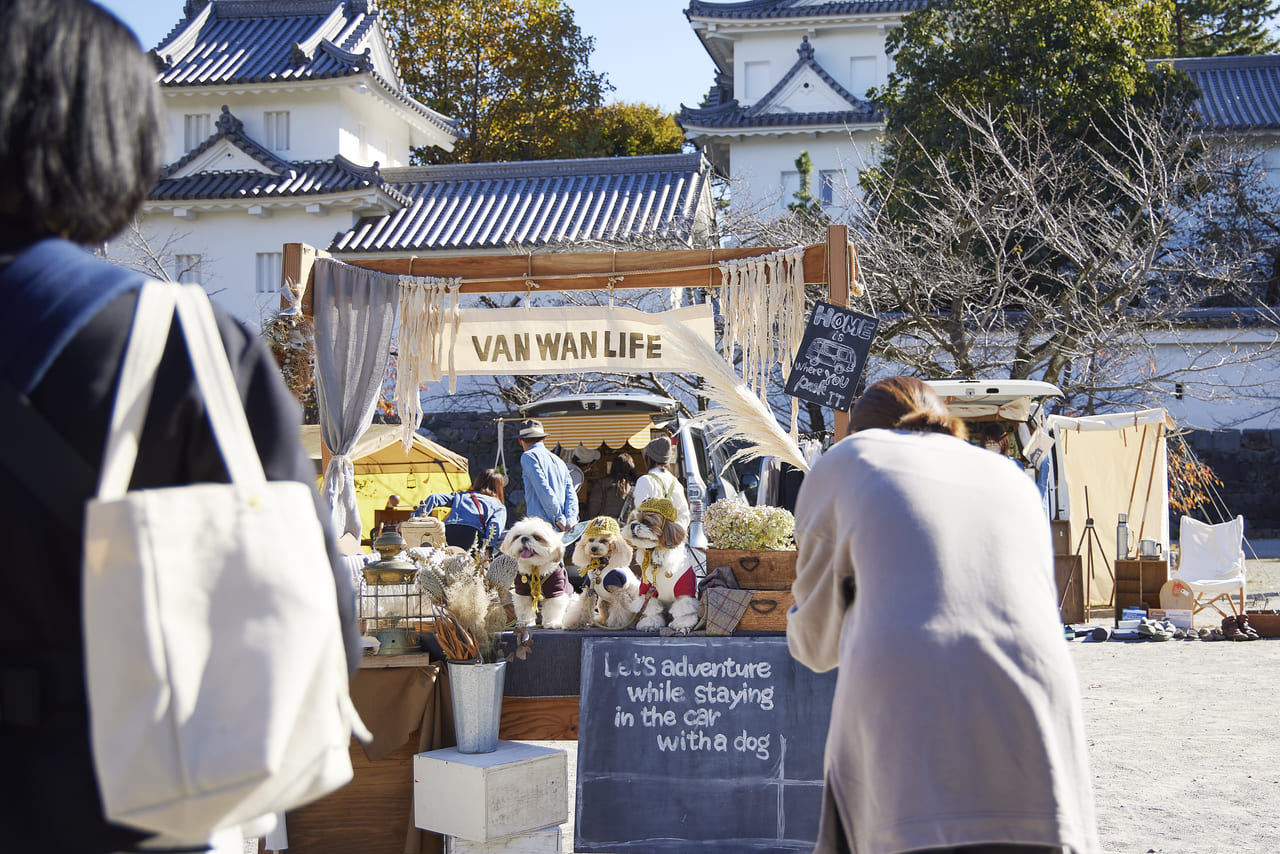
x: 756, y: 9
x: 245, y: 41
x: 228, y: 42
x: 304, y: 178
x: 231, y: 129
x: 492, y: 205
x: 725, y: 112
x: 1236, y: 92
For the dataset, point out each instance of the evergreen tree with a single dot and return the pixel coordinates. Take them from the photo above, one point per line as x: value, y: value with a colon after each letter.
x: 1224, y: 28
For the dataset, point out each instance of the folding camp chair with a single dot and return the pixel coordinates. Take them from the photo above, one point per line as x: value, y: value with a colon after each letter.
x: 1211, y: 562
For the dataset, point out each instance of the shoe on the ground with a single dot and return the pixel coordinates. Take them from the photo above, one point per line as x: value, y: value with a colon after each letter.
x: 1242, y: 625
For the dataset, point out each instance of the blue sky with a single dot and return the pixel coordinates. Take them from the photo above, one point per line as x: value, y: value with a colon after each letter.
x: 645, y: 47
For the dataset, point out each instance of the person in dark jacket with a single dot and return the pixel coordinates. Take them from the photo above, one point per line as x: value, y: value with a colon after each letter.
x: 80, y: 145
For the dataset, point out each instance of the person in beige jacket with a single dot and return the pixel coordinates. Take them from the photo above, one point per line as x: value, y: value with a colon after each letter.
x: 924, y: 573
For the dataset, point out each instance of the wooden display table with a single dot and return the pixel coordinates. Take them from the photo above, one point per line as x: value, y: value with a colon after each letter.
x: 403, y: 700
x: 1138, y: 583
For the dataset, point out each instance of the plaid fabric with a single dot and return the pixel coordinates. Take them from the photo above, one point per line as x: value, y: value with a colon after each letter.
x: 724, y: 608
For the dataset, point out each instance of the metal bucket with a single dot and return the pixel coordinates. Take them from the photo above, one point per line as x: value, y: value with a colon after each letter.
x: 477, y: 704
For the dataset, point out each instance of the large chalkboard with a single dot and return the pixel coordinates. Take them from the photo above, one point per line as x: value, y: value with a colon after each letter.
x: 831, y: 357
x: 699, y: 745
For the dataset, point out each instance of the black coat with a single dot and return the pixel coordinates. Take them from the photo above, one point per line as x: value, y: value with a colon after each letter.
x: 52, y: 802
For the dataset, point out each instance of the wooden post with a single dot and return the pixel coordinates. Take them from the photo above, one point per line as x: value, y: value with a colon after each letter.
x: 838, y: 294
x: 295, y: 267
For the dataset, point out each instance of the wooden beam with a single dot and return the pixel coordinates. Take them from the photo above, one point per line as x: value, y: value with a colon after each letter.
x: 569, y: 271
x: 838, y: 293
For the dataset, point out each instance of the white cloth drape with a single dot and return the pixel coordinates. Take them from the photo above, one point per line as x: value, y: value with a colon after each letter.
x: 355, y: 315
x: 427, y: 305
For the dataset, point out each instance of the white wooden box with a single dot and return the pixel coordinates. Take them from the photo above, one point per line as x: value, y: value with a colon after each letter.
x: 484, y: 797
x: 545, y: 841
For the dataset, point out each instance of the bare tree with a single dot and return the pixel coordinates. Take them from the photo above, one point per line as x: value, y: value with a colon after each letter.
x: 156, y: 254
x: 1011, y: 265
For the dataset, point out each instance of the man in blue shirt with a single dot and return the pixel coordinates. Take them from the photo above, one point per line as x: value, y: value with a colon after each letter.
x: 548, y: 490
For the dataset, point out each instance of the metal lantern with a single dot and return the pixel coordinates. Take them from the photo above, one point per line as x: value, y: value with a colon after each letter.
x: 391, y: 603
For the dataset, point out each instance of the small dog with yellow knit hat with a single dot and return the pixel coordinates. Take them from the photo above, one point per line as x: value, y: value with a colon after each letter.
x: 610, y: 597
x: 668, y: 583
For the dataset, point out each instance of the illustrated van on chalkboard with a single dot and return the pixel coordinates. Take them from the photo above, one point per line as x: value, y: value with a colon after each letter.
x: 832, y: 355
x: 835, y: 356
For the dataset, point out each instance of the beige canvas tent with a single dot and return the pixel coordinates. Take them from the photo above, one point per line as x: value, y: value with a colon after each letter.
x: 1108, y: 465
x: 383, y: 468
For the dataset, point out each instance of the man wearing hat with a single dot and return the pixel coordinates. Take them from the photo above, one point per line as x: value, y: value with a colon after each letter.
x: 548, y: 489
x: 658, y: 482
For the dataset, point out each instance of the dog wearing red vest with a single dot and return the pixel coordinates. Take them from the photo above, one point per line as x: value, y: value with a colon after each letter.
x: 668, y: 583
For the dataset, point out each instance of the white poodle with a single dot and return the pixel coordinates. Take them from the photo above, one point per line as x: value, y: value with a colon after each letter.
x: 541, y: 586
x: 611, y: 595
x: 668, y: 583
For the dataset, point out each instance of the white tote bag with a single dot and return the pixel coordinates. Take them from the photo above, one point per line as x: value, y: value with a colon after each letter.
x: 215, y: 666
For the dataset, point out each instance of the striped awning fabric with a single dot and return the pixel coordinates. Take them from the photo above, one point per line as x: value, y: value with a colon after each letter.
x: 615, y: 431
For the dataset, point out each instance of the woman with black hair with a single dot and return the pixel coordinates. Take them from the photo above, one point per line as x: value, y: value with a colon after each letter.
x: 80, y: 146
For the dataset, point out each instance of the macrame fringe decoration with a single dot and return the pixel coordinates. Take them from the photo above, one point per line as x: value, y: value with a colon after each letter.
x: 291, y: 337
x: 736, y: 413
x: 762, y: 301
x: 426, y: 305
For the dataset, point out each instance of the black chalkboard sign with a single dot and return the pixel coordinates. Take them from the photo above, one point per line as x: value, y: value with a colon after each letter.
x: 699, y: 745
x: 832, y: 355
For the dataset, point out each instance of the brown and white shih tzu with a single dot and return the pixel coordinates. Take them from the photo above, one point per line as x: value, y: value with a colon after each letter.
x: 541, y: 588
x: 668, y: 583
x: 610, y: 597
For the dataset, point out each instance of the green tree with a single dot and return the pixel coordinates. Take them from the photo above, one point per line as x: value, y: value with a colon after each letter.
x: 1223, y: 28
x: 1068, y: 65
x: 514, y: 73
x: 806, y: 209
x: 620, y: 129
x: 1063, y: 68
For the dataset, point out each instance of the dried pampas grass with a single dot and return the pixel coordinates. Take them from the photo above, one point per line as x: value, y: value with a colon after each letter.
x: 738, y: 414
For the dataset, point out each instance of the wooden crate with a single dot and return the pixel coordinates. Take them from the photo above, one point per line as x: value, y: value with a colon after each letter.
x: 1138, y: 582
x: 756, y: 570
x: 1265, y: 623
x: 767, y: 611
x: 1061, y: 530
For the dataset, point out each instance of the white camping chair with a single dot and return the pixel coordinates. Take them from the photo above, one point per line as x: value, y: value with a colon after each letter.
x: 1211, y: 562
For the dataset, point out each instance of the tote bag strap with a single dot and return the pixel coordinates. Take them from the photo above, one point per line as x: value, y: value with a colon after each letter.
x: 152, y: 318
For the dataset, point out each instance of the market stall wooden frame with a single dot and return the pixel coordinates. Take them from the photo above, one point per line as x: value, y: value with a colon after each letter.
x: 832, y: 263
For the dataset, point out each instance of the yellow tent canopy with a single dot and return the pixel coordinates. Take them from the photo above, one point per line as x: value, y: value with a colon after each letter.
x: 383, y: 468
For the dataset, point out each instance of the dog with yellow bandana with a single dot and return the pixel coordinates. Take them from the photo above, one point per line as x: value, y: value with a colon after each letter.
x: 542, y: 589
x: 610, y: 597
x: 668, y: 583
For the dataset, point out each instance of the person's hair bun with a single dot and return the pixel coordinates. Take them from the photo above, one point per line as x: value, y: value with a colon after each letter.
x: 926, y: 421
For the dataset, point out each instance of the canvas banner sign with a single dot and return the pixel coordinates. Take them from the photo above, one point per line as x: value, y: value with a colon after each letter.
x: 571, y: 339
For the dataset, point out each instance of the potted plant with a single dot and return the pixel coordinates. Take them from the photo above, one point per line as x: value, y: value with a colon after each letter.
x: 470, y: 619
